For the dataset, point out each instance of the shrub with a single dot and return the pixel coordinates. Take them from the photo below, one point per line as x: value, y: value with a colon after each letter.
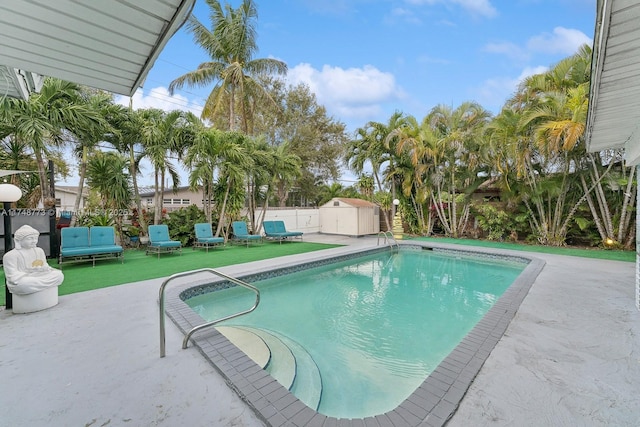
x: 497, y: 223
x: 181, y: 224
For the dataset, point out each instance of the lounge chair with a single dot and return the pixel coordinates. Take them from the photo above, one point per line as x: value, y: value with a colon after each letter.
x: 241, y: 234
x: 276, y: 230
x: 205, y: 238
x: 160, y: 242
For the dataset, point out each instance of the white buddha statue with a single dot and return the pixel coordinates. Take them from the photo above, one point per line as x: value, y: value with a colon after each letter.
x: 25, y: 268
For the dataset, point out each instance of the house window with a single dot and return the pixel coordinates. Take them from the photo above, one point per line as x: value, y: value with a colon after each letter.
x: 336, y: 203
x: 186, y: 201
x: 58, y: 202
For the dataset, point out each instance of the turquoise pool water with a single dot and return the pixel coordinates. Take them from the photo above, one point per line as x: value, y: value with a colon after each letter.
x: 376, y: 326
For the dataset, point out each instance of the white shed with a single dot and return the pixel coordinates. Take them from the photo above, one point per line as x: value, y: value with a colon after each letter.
x: 350, y: 217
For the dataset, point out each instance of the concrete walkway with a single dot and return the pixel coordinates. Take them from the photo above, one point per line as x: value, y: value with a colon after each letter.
x: 570, y: 357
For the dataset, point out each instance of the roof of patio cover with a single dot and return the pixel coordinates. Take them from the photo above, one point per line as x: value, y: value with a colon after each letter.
x: 109, y: 45
x: 614, y: 106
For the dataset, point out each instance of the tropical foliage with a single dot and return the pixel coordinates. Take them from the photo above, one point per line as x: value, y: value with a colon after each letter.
x: 523, y: 174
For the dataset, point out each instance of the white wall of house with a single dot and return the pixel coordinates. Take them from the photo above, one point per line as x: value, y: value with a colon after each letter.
x: 66, y: 199
x: 171, y: 201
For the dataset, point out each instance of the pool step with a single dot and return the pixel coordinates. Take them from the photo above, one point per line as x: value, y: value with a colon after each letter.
x: 282, y: 364
x: 286, y: 361
x: 251, y: 344
x: 308, y: 384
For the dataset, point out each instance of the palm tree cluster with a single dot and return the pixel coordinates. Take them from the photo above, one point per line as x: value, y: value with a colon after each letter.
x: 533, y: 152
x: 110, y: 142
x: 260, y: 142
x: 229, y: 162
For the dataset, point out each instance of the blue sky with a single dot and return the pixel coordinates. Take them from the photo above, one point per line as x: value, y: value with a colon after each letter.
x: 365, y: 59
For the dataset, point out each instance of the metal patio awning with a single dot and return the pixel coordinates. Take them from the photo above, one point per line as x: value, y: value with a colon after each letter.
x: 105, y: 44
x: 614, y: 104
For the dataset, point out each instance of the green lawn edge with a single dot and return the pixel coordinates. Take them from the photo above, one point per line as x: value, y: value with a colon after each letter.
x: 80, y: 277
x: 606, y: 254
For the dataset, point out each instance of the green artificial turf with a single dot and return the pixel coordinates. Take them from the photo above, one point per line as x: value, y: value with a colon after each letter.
x: 79, y: 277
x: 609, y: 254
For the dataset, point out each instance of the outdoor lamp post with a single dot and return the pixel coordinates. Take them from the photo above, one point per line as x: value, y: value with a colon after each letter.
x: 397, y: 221
x: 9, y: 193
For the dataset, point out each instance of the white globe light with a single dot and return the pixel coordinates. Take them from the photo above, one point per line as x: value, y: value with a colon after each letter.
x: 9, y: 193
x: 396, y: 202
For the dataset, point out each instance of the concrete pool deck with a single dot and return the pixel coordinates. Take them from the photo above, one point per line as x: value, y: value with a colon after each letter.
x: 571, y: 356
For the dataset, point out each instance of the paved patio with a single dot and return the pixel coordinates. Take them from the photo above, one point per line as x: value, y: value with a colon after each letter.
x: 571, y: 356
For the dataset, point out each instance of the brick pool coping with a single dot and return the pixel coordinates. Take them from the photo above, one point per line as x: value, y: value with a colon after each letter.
x: 431, y: 404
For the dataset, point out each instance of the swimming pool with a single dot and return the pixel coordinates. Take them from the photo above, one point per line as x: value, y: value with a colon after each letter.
x: 375, y: 326
x: 433, y: 398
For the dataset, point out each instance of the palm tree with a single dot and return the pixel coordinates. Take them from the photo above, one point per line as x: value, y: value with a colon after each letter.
x: 165, y: 135
x: 328, y: 192
x: 88, y: 139
x: 285, y: 169
x: 231, y: 45
x: 15, y: 155
x: 127, y: 140
x: 415, y: 166
x: 234, y: 161
x: 42, y: 120
x: 374, y: 144
x: 108, y: 174
x: 552, y: 153
x: 365, y: 186
x: 258, y: 176
x: 217, y: 155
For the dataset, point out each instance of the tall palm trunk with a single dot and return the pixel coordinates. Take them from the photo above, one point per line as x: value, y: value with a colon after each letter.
x: 223, y: 210
x: 42, y: 175
x: 385, y: 212
x: 142, y: 220
x: 157, y: 201
x: 206, y: 197
x: 82, y: 171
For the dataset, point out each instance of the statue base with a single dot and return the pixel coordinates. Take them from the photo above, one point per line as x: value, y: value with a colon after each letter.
x: 36, y: 301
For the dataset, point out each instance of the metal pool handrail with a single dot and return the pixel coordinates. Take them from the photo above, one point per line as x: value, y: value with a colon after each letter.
x: 185, y: 341
x: 388, y: 238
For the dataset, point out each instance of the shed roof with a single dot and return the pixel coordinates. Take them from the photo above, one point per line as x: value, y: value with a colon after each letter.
x: 109, y: 45
x: 356, y: 203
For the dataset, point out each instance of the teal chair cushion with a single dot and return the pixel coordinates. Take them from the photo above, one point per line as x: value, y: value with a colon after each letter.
x: 102, y: 236
x: 74, y: 237
x: 159, y: 237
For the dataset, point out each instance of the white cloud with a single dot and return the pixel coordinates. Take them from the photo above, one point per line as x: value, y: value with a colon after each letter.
x: 480, y: 7
x: 402, y: 14
x: 159, y: 97
x: 494, y: 92
x: 475, y: 7
x: 348, y: 93
x: 530, y: 71
x: 564, y: 41
x: 508, y: 49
